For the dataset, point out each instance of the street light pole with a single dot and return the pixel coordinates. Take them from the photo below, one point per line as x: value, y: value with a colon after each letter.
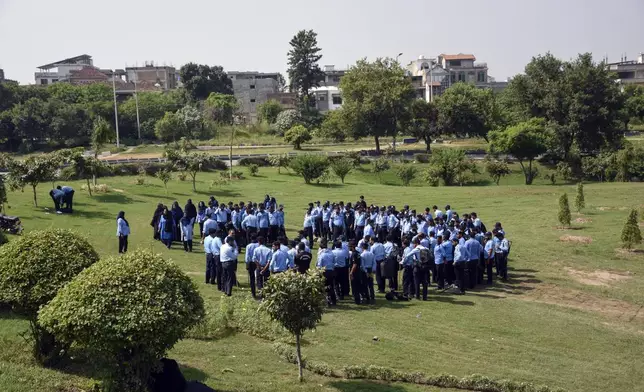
x: 395, y: 120
x: 116, y: 110
x: 136, y: 101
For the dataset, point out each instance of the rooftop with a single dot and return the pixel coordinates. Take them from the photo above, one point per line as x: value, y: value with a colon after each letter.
x: 460, y: 56
x: 71, y: 60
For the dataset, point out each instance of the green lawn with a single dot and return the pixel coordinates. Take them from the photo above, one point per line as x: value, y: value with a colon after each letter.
x: 569, y: 316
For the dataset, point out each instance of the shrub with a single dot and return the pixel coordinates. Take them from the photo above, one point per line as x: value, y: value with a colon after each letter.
x: 99, y: 188
x: 564, y: 210
x: 297, y: 302
x: 269, y: 111
x: 431, y: 177
x: 286, y: 120
x: 32, y: 270
x: 182, y: 176
x: 259, y: 161
x: 280, y: 161
x: 451, y: 165
x: 341, y: 167
x: 406, y: 173
x: 552, y: 177
x: 253, y: 170
x: 496, y: 169
x: 297, y: 135
x: 219, y: 182
x: 131, y: 308
x: 355, y: 156
x: 165, y: 175
x: 3, y: 238
x: 580, y: 202
x: 309, y: 166
x: 631, y: 234
x: 421, y: 158
x: 379, y: 166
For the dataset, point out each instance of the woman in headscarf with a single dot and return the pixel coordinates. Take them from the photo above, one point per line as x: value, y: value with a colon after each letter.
x: 186, y: 227
x: 166, y: 228
x: 122, y: 231
x: 201, y: 216
x: 190, y: 211
x: 177, y: 214
x: 155, y: 221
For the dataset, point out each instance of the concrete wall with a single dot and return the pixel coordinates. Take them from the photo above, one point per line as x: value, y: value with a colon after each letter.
x: 251, y: 92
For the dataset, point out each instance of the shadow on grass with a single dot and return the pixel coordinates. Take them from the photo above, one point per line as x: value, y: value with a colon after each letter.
x: 450, y: 298
x: 118, y: 198
x: 192, y: 374
x: 364, y: 385
x: 219, y: 193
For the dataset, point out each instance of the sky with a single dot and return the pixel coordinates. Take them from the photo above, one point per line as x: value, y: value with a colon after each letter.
x: 253, y: 35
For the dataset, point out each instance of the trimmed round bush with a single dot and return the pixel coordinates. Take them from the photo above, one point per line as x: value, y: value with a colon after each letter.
x: 132, y: 309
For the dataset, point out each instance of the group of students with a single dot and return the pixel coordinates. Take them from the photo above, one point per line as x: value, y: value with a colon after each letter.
x: 63, y: 198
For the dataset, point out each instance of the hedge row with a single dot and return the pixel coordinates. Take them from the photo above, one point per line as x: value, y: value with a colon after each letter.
x: 474, y: 382
x: 133, y: 169
x: 259, y: 161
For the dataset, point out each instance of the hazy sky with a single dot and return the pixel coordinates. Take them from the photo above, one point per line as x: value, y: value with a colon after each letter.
x: 254, y: 34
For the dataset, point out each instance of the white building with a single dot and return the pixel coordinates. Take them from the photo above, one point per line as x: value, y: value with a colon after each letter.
x: 62, y: 70
x: 327, y: 98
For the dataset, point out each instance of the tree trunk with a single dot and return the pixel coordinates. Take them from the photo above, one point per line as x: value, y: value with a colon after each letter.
x: 377, y: 145
x: 89, y: 187
x: 300, y: 376
x: 230, y: 155
x: 35, y: 198
x: 428, y: 141
x: 530, y: 175
x: 194, y: 180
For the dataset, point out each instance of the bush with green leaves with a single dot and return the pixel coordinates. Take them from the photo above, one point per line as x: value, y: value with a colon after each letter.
x: 259, y: 161
x: 406, y: 173
x: 165, y: 175
x: 631, y: 233
x: 280, y: 161
x: 253, y: 169
x: 580, y: 201
x: 421, y: 158
x: 497, y: 169
x: 32, y: 270
x: 309, y: 166
x: 131, y: 308
x: 3, y: 238
x: 296, y: 301
x: 286, y: 120
x: 564, y: 211
x: 342, y: 167
x: 297, y: 136
x: 450, y: 165
x: 269, y: 111
x: 379, y: 166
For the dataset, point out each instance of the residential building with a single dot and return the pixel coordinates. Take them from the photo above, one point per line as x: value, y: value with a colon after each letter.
x: 163, y: 77
x: 287, y: 100
x: 332, y: 76
x: 61, y: 70
x: 327, y: 98
x: 252, y: 89
x: 629, y: 72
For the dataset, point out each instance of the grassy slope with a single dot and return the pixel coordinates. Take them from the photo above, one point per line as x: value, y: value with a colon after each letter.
x: 505, y: 331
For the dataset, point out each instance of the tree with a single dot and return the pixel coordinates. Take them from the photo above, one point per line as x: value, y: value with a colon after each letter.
x: 333, y: 126
x: 32, y: 171
x: 222, y: 108
x: 131, y: 309
x: 32, y: 270
x: 170, y: 128
x: 280, y: 161
x: 152, y: 107
x: 194, y: 123
x: 191, y: 163
x: 496, y: 169
x: 580, y: 202
x: 297, y: 135
x: 450, y: 165
x: 465, y: 110
x: 3, y: 195
x: 631, y: 234
x: 268, y: 111
x: 309, y: 166
x: 380, y: 166
x: 524, y: 141
x: 297, y: 302
x: 342, y: 167
x: 406, y: 173
x: 165, y: 175
x: 85, y: 167
x: 236, y: 133
x: 633, y: 104
x: 375, y: 98
x: 286, y: 120
x: 303, y: 69
x: 102, y: 134
x: 423, y: 121
x: 564, y: 211
x: 202, y: 80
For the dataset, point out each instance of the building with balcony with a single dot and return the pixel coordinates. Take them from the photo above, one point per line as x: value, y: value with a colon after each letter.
x: 60, y: 71
x: 253, y: 88
x: 327, y: 98
x: 162, y: 77
x: 332, y: 75
x: 629, y: 72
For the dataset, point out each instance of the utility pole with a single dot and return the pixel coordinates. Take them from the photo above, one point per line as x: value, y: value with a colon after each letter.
x: 116, y: 110
x: 136, y: 101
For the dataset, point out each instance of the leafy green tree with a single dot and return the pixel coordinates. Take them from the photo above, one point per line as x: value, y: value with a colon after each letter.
x: 406, y: 173
x: 280, y: 161
x: 191, y: 163
x: 631, y: 234
x: 170, y: 128
x: 132, y: 309
x: 465, y: 110
x: 268, y: 111
x: 380, y: 166
x: 32, y: 270
x: 423, y: 121
x: 253, y: 169
x: 85, y: 167
x: 497, y: 169
x: 222, y: 108
x: 32, y: 171
x: 297, y: 135
x: 375, y: 98
x: 303, y: 69
x: 309, y: 166
x: 524, y: 141
x: 450, y: 165
x: 296, y: 301
x: 629, y: 163
x: 102, y: 134
x: 202, y: 80
x: 286, y: 120
x: 333, y: 126
x: 342, y: 167
x: 564, y: 211
x: 580, y: 202
x: 165, y: 175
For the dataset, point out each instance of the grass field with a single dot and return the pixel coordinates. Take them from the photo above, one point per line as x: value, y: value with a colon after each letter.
x: 570, y: 316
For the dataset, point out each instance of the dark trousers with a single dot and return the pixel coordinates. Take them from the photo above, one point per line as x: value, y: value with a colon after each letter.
x: 359, y: 232
x: 393, y: 282
x: 342, y: 281
x: 250, y: 231
x: 449, y: 272
x: 122, y: 243
x: 337, y: 232
x: 440, y: 275
x: 261, y: 277
x: 329, y: 277
x: 380, y: 280
x: 187, y: 245
x: 167, y: 242
x: 308, y: 232
x: 368, y: 286
x: 488, y: 268
x: 274, y: 232
x: 251, y: 268
x: 433, y: 271
x: 481, y: 270
x: 459, y: 270
x: 473, y: 270
x: 218, y: 273
x: 263, y: 231
x: 210, y: 268
x: 357, y: 287
x: 317, y: 229
x: 228, y: 269
x: 502, y: 266
x: 408, y: 281
x: 326, y: 232
x: 421, y: 278
x: 201, y: 229
x: 382, y: 234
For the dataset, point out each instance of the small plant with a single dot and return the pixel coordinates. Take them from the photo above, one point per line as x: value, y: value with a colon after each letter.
x: 297, y: 136
x: 100, y: 188
x: 280, y: 161
x: 497, y: 169
x: 580, y: 202
x: 182, y: 176
x: 421, y: 158
x: 309, y: 166
x: 380, y: 166
x: 253, y: 169
x: 552, y: 177
x: 406, y: 173
x: 220, y: 182
x: 140, y: 180
x: 342, y: 167
x: 631, y: 234
x: 564, y: 211
x: 165, y: 175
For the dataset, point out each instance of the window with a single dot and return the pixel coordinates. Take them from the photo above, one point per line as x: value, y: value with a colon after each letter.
x: 424, y: 66
x: 453, y: 77
x: 252, y: 87
x: 461, y: 76
x: 252, y: 100
x: 43, y: 81
x: 321, y: 98
x: 455, y: 63
x: 337, y: 100
x: 481, y: 77
x: 54, y: 80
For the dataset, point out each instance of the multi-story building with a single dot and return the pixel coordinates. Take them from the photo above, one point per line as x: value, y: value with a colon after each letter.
x: 629, y: 72
x: 327, y: 98
x: 163, y: 77
x: 332, y: 76
x: 252, y: 89
x: 60, y: 71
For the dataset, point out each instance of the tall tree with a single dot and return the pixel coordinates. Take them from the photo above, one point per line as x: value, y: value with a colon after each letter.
x: 32, y: 171
x: 422, y: 121
x: 375, y: 98
x: 633, y: 105
x: 465, y: 110
x: 170, y: 128
x: 202, y: 80
x: 222, y: 108
x: 303, y: 69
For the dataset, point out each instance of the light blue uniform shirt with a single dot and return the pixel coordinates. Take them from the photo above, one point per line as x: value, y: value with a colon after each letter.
x: 209, y: 224
x: 206, y: 244
x: 228, y: 253
x: 262, y: 220
x: 279, y: 261
x: 367, y: 261
x: 121, y: 227
x: 273, y: 218
x: 235, y: 218
x: 388, y: 247
x: 473, y: 248
x: 249, y: 221
x: 378, y: 251
x: 337, y: 220
x: 361, y: 219
x: 489, y: 246
x: 250, y: 249
x: 461, y: 255
x: 326, y: 260
x: 368, y: 231
x: 448, y: 249
x: 381, y: 220
x: 409, y: 256
x: 326, y: 214
x: 392, y: 222
x: 340, y: 258
x: 215, y: 246
x: 280, y: 218
x: 439, y: 255
x: 262, y: 255
x: 308, y: 220
x: 222, y: 215
x: 449, y: 214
